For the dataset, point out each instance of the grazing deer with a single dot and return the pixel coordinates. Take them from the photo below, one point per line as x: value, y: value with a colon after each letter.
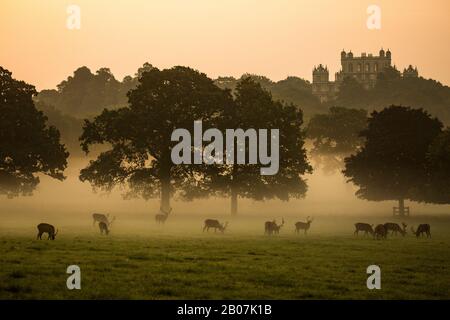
x: 271, y: 227
x: 46, y: 228
x: 394, y: 227
x: 215, y: 224
x: 421, y: 229
x: 367, y: 228
x: 162, y: 217
x: 303, y: 225
x: 103, y: 228
x: 380, y: 231
x: 98, y: 217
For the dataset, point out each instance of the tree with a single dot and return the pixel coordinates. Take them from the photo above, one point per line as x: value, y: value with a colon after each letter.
x: 28, y: 146
x: 392, y: 163
x: 438, y: 164
x: 140, y: 135
x: 335, y: 135
x: 254, y: 108
x: 85, y: 94
x: 351, y: 94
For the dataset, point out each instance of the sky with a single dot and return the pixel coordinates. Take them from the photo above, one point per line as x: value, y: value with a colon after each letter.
x: 275, y: 38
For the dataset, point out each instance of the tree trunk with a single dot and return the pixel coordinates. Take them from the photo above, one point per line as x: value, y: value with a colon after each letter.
x: 401, y: 207
x: 165, y: 194
x: 234, y: 202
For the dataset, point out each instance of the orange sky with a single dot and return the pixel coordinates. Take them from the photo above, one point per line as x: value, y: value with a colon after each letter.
x: 275, y: 38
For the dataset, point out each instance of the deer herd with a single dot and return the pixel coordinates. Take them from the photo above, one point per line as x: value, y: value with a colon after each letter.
x: 381, y: 231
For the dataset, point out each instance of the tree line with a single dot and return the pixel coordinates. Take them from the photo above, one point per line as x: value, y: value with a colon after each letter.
x: 398, y: 153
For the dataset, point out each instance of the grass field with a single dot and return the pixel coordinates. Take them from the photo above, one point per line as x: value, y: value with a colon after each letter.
x: 140, y: 260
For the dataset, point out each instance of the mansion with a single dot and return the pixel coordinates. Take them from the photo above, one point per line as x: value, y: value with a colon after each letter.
x: 364, y: 69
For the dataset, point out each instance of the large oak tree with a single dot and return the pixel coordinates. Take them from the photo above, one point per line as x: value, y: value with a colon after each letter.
x: 28, y: 146
x: 392, y: 165
x: 254, y: 108
x: 139, y: 135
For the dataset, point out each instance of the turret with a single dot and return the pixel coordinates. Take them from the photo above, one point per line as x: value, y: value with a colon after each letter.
x: 410, y: 72
x: 382, y: 53
x: 388, y: 54
x: 320, y: 74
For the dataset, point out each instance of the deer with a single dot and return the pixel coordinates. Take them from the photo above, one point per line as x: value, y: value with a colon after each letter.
x: 367, y: 228
x: 380, y: 231
x: 421, y: 229
x: 271, y: 227
x: 303, y: 225
x: 215, y: 224
x: 99, y: 217
x: 46, y: 228
x: 395, y: 228
x: 162, y: 217
x: 103, y: 228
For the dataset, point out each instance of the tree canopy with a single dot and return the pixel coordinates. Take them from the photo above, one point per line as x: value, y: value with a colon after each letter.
x: 28, y: 146
x: 140, y: 135
x: 335, y: 135
x: 438, y: 164
x: 254, y: 107
x: 392, y: 163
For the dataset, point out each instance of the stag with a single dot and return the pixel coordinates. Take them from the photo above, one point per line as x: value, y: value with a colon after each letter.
x: 303, y: 225
x: 380, y: 231
x: 215, y: 224
x: 271, y: 227
x: 99, y: 217
x: 367, y: 228
x: 103, y: 228
x: 421, y: 229
x: 162, y: 217
x: 46, y: 228
x: 395, y: 228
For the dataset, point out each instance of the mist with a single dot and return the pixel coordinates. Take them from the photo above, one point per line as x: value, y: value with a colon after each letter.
x: 70, y: 203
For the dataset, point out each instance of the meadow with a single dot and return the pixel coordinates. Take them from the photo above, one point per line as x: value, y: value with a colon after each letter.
x: 142, y: 260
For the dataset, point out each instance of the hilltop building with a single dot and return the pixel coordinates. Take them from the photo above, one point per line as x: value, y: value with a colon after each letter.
x: 364, y: 69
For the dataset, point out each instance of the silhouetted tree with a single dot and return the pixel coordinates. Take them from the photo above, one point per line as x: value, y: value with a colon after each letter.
x: 392, y: 163
x: 140, y: 135
x: 351, y: 94
x: 437, y: 190
x: 28, y: 146
x: 69, y: 127
x: 254, y: 108
x: 85, y: 94
x: 335, y: 135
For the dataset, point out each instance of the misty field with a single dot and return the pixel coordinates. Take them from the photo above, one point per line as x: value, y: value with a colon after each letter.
x: 141, y: 260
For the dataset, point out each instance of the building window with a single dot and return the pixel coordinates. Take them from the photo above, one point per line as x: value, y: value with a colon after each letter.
x: 375, y: 67
x: 367, y: 67
x: 359, y: 67
x: 350, y: 67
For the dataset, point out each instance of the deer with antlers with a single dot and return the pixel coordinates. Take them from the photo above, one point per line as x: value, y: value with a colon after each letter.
x: 162, y: 216
x: 214, y: 224
x: 271, y: 227
x: 303, y: 225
